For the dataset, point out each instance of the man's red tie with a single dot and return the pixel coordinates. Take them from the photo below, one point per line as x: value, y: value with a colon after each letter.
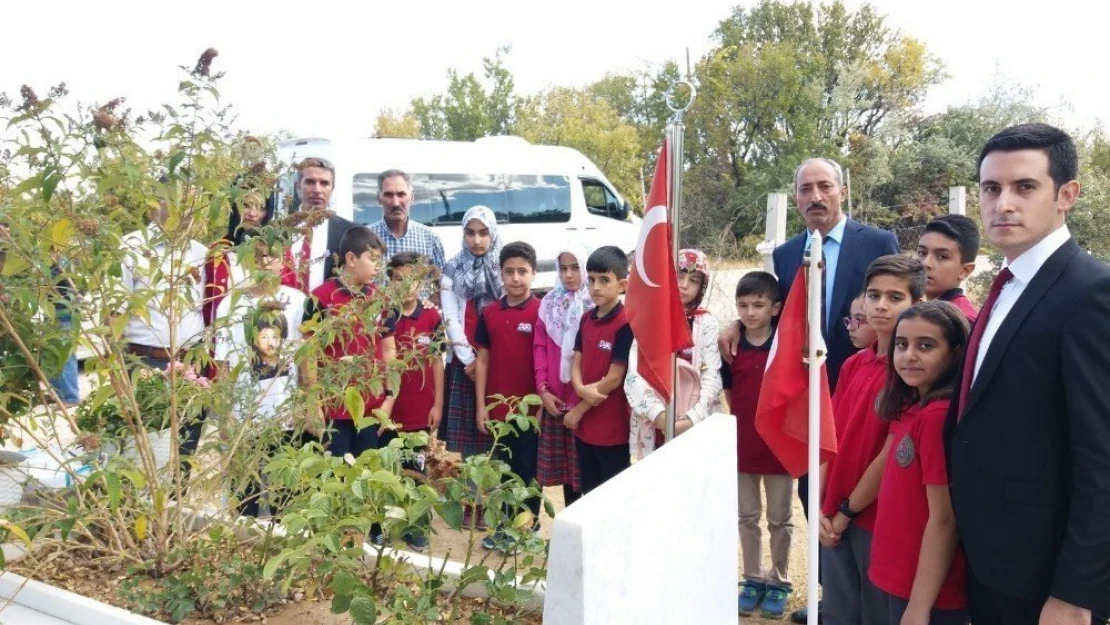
x: 304, y: 267
x: 977, y: 335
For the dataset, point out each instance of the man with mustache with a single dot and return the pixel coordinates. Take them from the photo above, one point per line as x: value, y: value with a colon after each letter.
x: 849, y: 247
x: 400, y: 233
x: 1028, y: 430
x: 314, y: 254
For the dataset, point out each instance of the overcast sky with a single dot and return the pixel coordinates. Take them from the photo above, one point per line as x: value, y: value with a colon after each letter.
x: 326, y: 68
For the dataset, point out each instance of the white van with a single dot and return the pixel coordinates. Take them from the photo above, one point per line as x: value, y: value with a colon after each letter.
x: 544, y: 195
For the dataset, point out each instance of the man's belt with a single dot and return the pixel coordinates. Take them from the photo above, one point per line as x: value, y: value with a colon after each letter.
x: 161, y: 353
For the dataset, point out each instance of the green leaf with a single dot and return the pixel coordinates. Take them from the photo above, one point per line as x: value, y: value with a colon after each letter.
x: 113, y: 486
x: 140, y: 527
x: 352, y: 400
x: 274, y: 563
x: 522, y: 519
x: 61, y: 233
x: 344, y: 583
x: 340, y: 603
x: 331, y: 541
x: 452, y: 514
x: 357, y: 489
x: 14, y: 264
x: 175, y: 160
x: 50, y: 182
x: 363, y: 610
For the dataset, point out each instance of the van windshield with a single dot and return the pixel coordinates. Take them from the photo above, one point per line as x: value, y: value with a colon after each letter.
x: 443, y: 199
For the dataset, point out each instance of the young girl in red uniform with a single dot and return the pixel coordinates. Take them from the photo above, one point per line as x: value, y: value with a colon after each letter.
x: 915, y: 560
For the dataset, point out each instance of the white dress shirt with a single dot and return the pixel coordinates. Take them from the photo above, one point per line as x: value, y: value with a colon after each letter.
x: 1024, y: 268
x: 145, y: 268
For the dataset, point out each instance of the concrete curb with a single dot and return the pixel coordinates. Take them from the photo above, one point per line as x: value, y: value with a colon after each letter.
x: 65, y: 605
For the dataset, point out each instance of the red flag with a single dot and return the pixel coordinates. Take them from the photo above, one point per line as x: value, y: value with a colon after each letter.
x: 654, y: 307
x: 782, y: 418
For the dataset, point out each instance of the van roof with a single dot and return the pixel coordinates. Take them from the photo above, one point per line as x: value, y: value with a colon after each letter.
x: 499, y: 154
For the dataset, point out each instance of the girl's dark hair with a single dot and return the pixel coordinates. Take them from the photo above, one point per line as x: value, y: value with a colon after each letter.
x: 897, y: 395
x: 242, y: 188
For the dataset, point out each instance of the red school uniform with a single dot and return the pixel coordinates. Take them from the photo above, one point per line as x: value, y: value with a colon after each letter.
x: 508, y: 333
x: 420, y: 337
x: 957, y: 298
x: 603, y: 341
x: 329, y: 299
x: 858, y: 428
x: 916, y: 461
x: 743, y: 379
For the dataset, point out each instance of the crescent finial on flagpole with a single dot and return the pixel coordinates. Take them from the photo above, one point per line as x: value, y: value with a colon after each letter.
x: 672, y: 95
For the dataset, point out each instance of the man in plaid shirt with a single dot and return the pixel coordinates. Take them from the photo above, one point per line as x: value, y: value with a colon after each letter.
x: 395, y: 228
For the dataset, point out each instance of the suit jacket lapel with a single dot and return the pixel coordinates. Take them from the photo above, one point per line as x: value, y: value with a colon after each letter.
x: 844, y: 269
x: 1048, y: 274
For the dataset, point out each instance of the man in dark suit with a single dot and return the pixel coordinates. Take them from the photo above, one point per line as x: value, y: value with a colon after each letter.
x: 849, y: 247
x: 1028, y: 432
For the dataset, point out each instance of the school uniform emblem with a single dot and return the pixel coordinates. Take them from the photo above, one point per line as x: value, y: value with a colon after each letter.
x: 424, y: 340
x: 605, y: 346
x: 904, y: 453
x: 524, y: 328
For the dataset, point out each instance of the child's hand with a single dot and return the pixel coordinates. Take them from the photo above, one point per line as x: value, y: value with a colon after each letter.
x: 387, y: 408
x: 826, y: 534
x: 482, y: 418
x: 572, y: 418
x: 915, y: 615
x: 682, y: 424
x: 471, y: 370
x: 591, y: 395
x: 553, y: 405
x: 434, y: 415
x: 840, y: 523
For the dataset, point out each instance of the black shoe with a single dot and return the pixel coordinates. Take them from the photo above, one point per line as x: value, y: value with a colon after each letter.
x: 801, y: 615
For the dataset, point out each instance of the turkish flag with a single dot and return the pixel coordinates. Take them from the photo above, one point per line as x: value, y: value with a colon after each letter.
x: 782, y: 417
x: 654, y: 307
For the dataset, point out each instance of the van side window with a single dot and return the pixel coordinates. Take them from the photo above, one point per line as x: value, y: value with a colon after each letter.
x: 443, y: 199
x: 600, y: 200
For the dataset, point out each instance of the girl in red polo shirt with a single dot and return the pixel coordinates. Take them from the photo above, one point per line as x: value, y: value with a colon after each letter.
x: 915, y: 560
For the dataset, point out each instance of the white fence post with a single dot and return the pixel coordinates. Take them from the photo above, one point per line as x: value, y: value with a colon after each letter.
x: 957, y: 200
x: 776, y: 229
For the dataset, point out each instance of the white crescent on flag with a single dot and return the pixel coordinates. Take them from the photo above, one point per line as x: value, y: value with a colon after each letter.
x: 657, y: 215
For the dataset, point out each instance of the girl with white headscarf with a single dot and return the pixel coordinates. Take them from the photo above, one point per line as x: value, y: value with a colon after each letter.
x: 561, y: 313
x: 471, y: 281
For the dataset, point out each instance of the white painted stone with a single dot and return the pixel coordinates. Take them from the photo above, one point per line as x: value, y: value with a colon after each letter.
x: 656, y: 544
x: 46, y: 605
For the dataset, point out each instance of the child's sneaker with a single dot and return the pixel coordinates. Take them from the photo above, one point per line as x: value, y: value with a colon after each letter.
x: 774, y: 602
x: 498, y: 541
x: 751, y: 596
x: 417, y: 541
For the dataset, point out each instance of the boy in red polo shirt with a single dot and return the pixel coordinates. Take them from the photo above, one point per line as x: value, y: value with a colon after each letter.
x: 504, y: 337
x: 759, y: 471
x: 601, y: 420
x: 948, y: 248
x: 347, y: 298
x: 420, y: 341
x: 891, y: 285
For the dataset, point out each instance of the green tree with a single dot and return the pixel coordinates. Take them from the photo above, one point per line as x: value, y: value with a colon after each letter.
x: 469, y: 109
x: 578, y: 119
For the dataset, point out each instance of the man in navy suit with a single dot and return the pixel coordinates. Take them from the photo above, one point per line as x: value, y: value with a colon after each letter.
x: 849, y: 247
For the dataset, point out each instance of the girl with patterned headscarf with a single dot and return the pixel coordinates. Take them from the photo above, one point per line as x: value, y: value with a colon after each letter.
x: 561, y: 314
x: 471, y: 281
x: 704, y: 357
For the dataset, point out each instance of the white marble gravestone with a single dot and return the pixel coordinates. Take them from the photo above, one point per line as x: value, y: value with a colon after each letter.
x: 656, y: 544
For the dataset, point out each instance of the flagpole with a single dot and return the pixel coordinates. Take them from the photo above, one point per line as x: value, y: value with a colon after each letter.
x: 675, y: 130
x: 815, y: 357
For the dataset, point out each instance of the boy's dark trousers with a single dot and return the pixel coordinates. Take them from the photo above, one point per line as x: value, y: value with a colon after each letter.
x: 252, y: 491
x: 343, y: 438
x: 598, y: 463
x: 520, y: 450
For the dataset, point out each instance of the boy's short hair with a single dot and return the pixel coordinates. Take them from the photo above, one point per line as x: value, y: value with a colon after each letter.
x: 758, y: 283
x: 357, y: 240
x: 518, y: 249
x: 960, y: 229
x: 404, y: 259
x: 608, y: 259
x: 900, y: 266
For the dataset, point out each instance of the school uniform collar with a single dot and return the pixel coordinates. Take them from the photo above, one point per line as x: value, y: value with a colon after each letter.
x: 415, y: 316
x: 952, y: 294
x: 505, y: 302
x: 366, y: 290
x: 612, y: 313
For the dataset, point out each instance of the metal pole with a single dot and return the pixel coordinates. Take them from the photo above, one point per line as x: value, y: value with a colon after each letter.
x: 815, y: 346
x: 674, y: 187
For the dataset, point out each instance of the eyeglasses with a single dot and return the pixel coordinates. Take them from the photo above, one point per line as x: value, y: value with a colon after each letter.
x: 854, y: 323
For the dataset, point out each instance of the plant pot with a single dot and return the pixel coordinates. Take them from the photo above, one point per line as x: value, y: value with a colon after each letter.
x: 160, y: 446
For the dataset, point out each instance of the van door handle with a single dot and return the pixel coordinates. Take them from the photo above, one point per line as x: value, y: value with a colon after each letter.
x: 591, y: 228
x: 572, y: 227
